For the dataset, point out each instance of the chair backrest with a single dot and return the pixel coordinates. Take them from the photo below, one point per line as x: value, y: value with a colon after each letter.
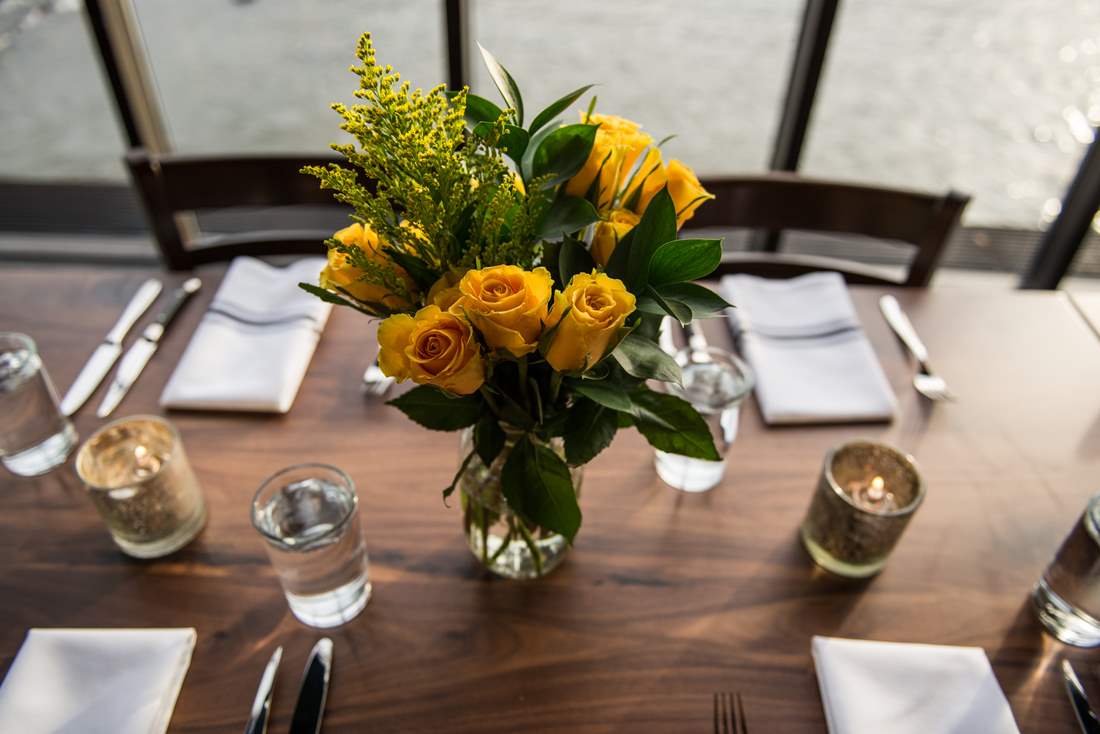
x: 171, y: 185
x: 778, y: 201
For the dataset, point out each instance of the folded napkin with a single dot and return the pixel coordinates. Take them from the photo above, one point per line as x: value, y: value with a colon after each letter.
x: 874, y: 687
x: 253, y: 345
x: 95, y: 681
x: 813, y: 362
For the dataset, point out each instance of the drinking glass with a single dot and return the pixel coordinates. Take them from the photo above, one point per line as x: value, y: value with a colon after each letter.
x: 308, y: 516
x: 140, y: 481
x: 34, y: 436
x: 1067, y: 596
x: 715, y: 382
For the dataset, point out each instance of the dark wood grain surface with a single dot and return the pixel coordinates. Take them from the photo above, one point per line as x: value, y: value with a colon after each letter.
x: 666, y: 598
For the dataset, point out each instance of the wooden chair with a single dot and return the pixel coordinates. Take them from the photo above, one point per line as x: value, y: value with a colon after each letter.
x: 778, y: 201
x: 172, y: 185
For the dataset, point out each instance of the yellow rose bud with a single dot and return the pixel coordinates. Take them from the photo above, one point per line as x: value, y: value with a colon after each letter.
x: 650, y: 178
x: 444, y: 293
x: 588, y: 315
x: 609, y: 231
x: 340, y: 274
x: 507, y: 304
x: 434, y: 347
x: 618, y: 144
x: 686, y: 191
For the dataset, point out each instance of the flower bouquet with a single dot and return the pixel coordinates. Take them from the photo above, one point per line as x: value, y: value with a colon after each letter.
x: 522, y: 269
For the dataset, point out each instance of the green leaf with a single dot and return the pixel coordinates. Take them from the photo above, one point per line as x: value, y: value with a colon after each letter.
x: 537, y: 485
x: 532, y: 146
x: 643, y: 359
x: 689, y: 436
x: 588, y: 431
x: 513, y: 141
x: 658, y: 226
x: 436, y: 410
x: 619, y: 261
x: 489, y: 439
x: 556, y: 108
x: 479, y: 109
x: 421, y: 273
x: 574, y: 258
x: 684, y: 260
x: 702, y: 301
x: 604, y: 393
x: 506, y: 85
x: 329, y: 297
x: 563, y: 152
x: 566, y: 215
x: 679, y: 311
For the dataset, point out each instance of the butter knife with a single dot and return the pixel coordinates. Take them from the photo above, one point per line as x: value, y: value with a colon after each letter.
x: 1085, y: 716
x: 106, y: 354
x: 311, y: 698
x: 142, y: 350
x: 261, y: 706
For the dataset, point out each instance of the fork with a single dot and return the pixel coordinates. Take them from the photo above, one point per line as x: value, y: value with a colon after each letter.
x: 729, y: 714
x: 375, y: 382
x: 926, y: 382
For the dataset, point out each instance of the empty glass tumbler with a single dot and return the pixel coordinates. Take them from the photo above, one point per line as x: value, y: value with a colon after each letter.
x: 715, y: 382
x: 308, y: 516
x: 1067, y: 596
x: 140, y: 481
x: 34, y: 436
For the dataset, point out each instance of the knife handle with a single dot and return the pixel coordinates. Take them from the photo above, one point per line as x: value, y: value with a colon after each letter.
x: 899, y: 322
x: 176, y: 299
x: 140, y: 301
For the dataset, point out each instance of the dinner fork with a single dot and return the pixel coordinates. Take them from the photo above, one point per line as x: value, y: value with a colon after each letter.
x: 375, y: 382
x: 729, y: 714
x: 926, y: 382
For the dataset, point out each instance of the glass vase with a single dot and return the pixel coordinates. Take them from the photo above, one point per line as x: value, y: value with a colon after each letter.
x: 502, y: 541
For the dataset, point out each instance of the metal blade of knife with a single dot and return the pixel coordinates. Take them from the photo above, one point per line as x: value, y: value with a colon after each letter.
x: 310, y: 707
x: 261, y: 706
x: 106, y: 353
x: 134, y: 361
x: 1085, y: 715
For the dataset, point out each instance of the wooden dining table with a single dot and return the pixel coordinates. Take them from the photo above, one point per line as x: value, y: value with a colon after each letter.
x: 666, y: 598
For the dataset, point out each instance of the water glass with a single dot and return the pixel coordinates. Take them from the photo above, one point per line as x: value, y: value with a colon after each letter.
x: 866, y: 495
x: 34, y: 435
x: 139, y: 479
x: 1067, y: 596
x: 715, y: 382
x: 308, y: 516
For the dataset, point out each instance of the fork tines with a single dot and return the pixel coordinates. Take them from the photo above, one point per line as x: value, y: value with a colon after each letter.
x: 729, y: 714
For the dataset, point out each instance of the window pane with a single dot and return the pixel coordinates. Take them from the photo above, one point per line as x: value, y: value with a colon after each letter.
x: 713, y: 73
x: 259, y: 76
x: 994, y: 98
x: 56, y: 115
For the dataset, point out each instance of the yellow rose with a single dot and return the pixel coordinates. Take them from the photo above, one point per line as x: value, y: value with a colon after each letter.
x: 618, y: 144
x: 650, y: 178
x: 686, y: 191
x: 609, y: 231
x: 444, y: 293
x: 339, y: 273
x: 434, y: 347
x: 588, y: 315
x: 507, y: 304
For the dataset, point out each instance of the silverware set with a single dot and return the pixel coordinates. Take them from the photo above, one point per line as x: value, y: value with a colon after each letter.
x: 310, y: 707
x: 135, y: 359
x: 375, y: 382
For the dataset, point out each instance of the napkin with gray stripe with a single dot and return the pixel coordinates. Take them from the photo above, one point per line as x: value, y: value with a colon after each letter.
x: 252, y: 348
x: 813, y: 362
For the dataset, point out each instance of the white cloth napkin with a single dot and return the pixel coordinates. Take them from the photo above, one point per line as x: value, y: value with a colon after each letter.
x: 813, y: 362
x: 95, y: 681
x: 253, y: 346
x: 874, y: 687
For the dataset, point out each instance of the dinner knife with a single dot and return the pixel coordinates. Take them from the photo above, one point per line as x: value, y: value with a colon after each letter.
x: 142, y: 350
x: 261, y: 706
x: 311, y: 698
x: 1085, y: 716
x: 106, y: 354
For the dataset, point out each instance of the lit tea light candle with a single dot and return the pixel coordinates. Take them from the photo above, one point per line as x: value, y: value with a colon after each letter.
x: 872, y: 494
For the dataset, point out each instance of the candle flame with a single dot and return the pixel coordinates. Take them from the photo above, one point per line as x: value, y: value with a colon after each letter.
x: 878, y: 483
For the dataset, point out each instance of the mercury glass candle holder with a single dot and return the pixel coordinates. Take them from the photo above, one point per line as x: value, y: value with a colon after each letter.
x: 866, y: 495
x: 140, y: 481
